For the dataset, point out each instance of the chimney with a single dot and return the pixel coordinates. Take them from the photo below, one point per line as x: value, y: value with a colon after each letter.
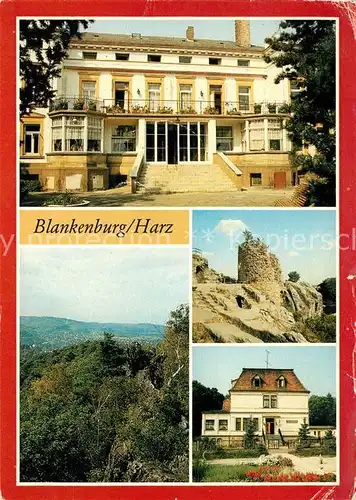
x: 189, y: 34
x: 242, y: 33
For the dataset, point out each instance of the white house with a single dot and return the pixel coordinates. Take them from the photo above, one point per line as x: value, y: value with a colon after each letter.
x: 275, y: 399
x: 178, y: 113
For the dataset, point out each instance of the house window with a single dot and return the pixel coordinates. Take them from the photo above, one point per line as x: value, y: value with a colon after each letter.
x: 154, y: 96
x: 57, y: 134
x: 274, y: 135
x: 216, y: 61
x: 32, y: 136
x: 255, y: 179
x: 123, y: 139
x: 222, y: 425
x: 185, y: 59
x: 74, y: 133
x: 291, y: 421
x: 224, y: 139
x: 89, y: 91
x: 269, y: 401
x: 273, y: 401
x: 89, y: 55
x: 257, y: 134
x: 266, y: 402
x: 244, y: 98
x: 122, y: 57
x: 281, y: 382
x: 185, y: 97
x: 243, y: 62
x: 257, y: 382
x: 238, y: 424
x: 209, y: 425
x: 154, y: 58
x: 94, y: 134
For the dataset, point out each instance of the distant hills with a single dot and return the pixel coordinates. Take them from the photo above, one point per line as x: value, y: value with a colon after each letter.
x: 53, y: 333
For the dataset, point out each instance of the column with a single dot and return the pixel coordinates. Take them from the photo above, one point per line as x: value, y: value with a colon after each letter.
x: 247, y: 136
x: 211, y: 139
x: 266, y: 133
x: 141, y: 135
x: 63, y: 133
x: 284, y: 137
x: 85, y: 145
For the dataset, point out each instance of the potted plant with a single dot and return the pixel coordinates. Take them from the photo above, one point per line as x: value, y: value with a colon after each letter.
x: 165, y: 110
x: 92, y: 105
x: 257, y: 108
x: 284, y: 108
x: 210, y: 110
x: 233, y: 111
x: 188, y: 111
x: 272, y: 107
x: 79, y: 104
x: 60, y: 104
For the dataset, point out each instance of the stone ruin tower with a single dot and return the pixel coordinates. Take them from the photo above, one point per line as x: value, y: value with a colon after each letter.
x: 260, y: 268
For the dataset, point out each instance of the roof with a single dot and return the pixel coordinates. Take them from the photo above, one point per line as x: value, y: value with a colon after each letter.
x: 269, y: 378
x: 137, y: 40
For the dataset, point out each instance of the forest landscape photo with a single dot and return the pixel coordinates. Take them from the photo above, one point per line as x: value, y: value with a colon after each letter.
x: 104, y: 365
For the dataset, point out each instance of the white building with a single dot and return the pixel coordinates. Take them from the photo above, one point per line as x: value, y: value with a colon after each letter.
x: 157, y: 110
x: 275, y: 399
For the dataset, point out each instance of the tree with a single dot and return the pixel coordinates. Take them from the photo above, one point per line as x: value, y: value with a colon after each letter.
x: 250, y: 437
x: 324, y: 327
x: 305, y: 50
x: 43, y: 45
x: 322, y: 410
x: 328, y: 290
x: 293, y: 276
x: 204, y: 399
x: 303, y: 435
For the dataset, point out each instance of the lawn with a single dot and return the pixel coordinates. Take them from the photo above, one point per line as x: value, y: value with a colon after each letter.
x: 226, y: 473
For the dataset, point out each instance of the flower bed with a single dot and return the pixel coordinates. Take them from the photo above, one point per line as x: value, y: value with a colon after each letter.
x: 274, y: 474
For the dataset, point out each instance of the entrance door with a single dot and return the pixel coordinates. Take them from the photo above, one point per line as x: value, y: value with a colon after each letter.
x: 270, y: 427
x: 280, y: 180
x: 172, y: 144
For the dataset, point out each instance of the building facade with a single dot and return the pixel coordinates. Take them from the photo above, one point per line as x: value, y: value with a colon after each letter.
x: 142, y: 108
x: 274, y: 399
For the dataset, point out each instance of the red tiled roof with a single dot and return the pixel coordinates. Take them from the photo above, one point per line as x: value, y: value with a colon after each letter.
x: 269, y: 378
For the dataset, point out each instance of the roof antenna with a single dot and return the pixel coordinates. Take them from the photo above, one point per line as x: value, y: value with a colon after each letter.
x: 267, y: 363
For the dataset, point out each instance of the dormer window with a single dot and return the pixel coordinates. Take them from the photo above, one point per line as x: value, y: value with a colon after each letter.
x: 281, y: 382
x: 257, y: 382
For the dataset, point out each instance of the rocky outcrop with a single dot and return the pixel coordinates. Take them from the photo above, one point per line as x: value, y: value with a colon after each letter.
x: 302, y: 299
x: 202, y: 272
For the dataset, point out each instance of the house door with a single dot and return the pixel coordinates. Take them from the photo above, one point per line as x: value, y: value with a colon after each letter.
x: 280, y: 180
x: 216, y: 97
x: 270, y: 426
x: 172, y: 144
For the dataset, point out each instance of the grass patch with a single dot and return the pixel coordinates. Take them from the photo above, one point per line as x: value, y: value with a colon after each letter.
x: 226, y: 473
x: 313, y: 452
x: 240, y: 453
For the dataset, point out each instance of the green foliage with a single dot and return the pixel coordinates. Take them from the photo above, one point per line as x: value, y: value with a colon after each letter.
x: 305, y: 50
x: 328, y: 290
x: 43, y: 45
x: 98, y: 411
x: 204, y: 399
x: 250, y: 436
x: 64, y: 199
x: 27, y: 185
x: 293, y: 276
x: 313, y: 452
x: 304, y: 436
x: 322, y: 410
x: 239, y: 453
x: 200, y: 469
x: 225, y: 473
x: 324, y: 327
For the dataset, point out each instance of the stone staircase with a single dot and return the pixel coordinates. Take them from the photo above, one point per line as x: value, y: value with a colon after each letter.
x: 183, y: 178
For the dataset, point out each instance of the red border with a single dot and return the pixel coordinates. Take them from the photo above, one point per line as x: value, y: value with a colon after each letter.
x: 238, y: 8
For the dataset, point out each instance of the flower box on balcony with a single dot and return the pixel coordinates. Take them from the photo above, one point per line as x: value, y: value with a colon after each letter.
x: 165, y: 110
x: 140, y: 109
x: 284, y: 108
x: 60, y: 105
x: 272, y: 108
x: 257, y: 108
x: 79, y: 104
x: 210, y: 110
x: 115, y: 110
x: 233, y: 111
x: 92, y: 106
x: 188, y: 111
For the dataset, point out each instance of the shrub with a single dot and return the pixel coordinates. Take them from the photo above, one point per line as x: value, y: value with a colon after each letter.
x: 78, y: 104
x: 63, y: 199
x: 293, y: 276
x: 323, y: 326
x: 200, y: 468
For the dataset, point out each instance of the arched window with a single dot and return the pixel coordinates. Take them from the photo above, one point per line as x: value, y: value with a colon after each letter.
x: 257, y: 381
x: 281, y: 382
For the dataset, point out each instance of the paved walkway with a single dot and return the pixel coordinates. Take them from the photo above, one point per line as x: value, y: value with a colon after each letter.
x: 301, y: 464
x: 119, y: 197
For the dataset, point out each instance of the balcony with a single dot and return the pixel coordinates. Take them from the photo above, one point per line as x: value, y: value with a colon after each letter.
x: 136, y: 107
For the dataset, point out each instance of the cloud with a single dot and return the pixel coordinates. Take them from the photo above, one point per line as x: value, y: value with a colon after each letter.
x: 229, y: 226
x: 293, y: 253
x: 208, y: 254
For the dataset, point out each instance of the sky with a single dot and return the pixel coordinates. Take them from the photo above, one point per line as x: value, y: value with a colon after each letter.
x: 314, y: 366
x: 218, y: 29
x: 304, y: 240
x: 112, y: 284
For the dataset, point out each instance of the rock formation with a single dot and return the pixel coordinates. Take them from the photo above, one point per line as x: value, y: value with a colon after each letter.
x: 260, y: 308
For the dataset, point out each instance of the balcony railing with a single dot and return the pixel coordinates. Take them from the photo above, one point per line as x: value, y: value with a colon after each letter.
x: 168, y: 107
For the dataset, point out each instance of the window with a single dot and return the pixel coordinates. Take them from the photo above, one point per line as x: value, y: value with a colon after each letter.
x: 214, y: 61
x: 185, y: 97
x: 244, y: 98
x: 57, y: 134
x: 89, y: 55
x: 224, y: 139
x: 31, y: 139
x: 154, y: 96
x: 74, y: 128
x: 255, y: 179
x: 291, y: 421
x: 185, y: 59
x: 94, y: 134
x: 154, y: 58
x: 89, y: 91
x: 123, y: 139
x: 222, y: 425
x: 257, y: 382
x: 269, y: 401
x: 243, y: 62
x: 281, y: 382
x: 122, y: 94
x: 122, y: 57
x: 257, y: 134
x: 238, y: 424
x: 274, y: 135
x: 209, y: 425
x: 150, y: 142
